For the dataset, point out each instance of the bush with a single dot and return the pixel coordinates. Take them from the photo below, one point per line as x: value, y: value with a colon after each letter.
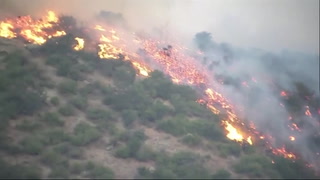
x: 221, y: 174
x: 79, y: 102
x: 53, y: 159
x: 32, y: 145
x: 182, y: 165
x: 68, y: 87
x: 53, y: 118
x: 28, y: 126
x: 191, y: 140
x: 84, y: 134
x: 231, y: 148
x: 77, y: 168
x: 66, y: 110
x: 129, y: 116
x: 68, y: 150
x: 55, y: 101
x: 255, y: 166
x: 54, y: 136
x: 9, y: 171
x: 133, y: 141
x: 98, y: 114
x: 145, y: 154
x: 97, y: 171
x: 59, y: 172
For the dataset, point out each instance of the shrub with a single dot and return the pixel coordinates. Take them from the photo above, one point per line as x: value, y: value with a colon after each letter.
x: 66, y: 110
x: 84, y: 134
x: 98, y: 171
x: 191, y: 140
x: 68, y: 87
x: 32, y: 145
x: 59, y: 172
x: 77, y: 168
x: 9, y: 171
x: 145, y: 154
x: 221, y: 174
x: 53, y: 118
x: 53, y: 159
x: 68, y: 150
x: 98, y: 114
x: 55, y: 101
x: 231, y: 148
x: 129, y: 116
x: 54, y: 136
x: 28, y: 126
x: 79, y: 102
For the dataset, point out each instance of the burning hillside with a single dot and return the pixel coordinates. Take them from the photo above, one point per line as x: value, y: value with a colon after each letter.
x: 174, y: 60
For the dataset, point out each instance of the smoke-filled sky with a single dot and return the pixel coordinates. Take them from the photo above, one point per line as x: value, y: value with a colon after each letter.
x: 266, y: 24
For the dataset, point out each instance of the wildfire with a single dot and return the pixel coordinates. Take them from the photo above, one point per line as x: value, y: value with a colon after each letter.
x: 80, y: 44
x: 283, y: 94
x: 143, y: 70
x: 6, y: 30
x: 282, y: 151
x: 171, y: 59
x: 233, y: 133
x: 34, y: 31
x: 307, y: 112
x: 292, y: 138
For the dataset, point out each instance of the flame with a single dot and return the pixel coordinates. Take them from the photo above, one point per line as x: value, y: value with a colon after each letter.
x: 6, y: 30
x: 283, y: 94
x: 80, y: 44
x: 282, y: 151
x: 292, y: 138
x: 249, y: 140
x: 100, y: 28
x: 143, y: 70
x: 307, y: 112
x: 233, y: 133
x: 34, y: 31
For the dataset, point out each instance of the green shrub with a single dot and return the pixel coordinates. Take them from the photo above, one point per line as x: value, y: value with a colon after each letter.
x: 53, y: 159
x: 221, y: 174
x: 77, y: 168
x: 68, y: 87
x: 191, y: 140
x: 129, y: 116
x: 59, y: 172
x: 79, y: 102
x: 231, y: 148
x: 66, y: 110
x: 98, y: 171
x: 55, y: 101
x: 32, y: 145
x: 28, y: 126
x: 183, y: 165
x: 54, y: 136
x: 145, y: 154
x: 52, y: 118
x: 9, y: 171
x: 98, y: 114
x: 84, y: 134
x: 256, y: 166
x: 68, y: 150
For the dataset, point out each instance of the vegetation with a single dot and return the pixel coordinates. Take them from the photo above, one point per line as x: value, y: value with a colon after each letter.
x: 55, y: 132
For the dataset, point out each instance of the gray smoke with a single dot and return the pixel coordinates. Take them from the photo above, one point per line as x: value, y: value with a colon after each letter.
x: 267, y: 74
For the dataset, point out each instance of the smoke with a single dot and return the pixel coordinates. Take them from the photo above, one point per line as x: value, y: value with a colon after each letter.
x: 253, y: 81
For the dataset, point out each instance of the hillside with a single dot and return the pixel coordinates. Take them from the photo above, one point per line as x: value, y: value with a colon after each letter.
x: 69, y: 114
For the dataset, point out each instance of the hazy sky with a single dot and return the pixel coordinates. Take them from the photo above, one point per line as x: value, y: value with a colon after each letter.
x: 266, y: 24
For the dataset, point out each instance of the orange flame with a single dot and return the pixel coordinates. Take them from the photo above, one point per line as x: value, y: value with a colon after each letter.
x: 80, y: 44
x: 6, y: 30
x: 292, y: 138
